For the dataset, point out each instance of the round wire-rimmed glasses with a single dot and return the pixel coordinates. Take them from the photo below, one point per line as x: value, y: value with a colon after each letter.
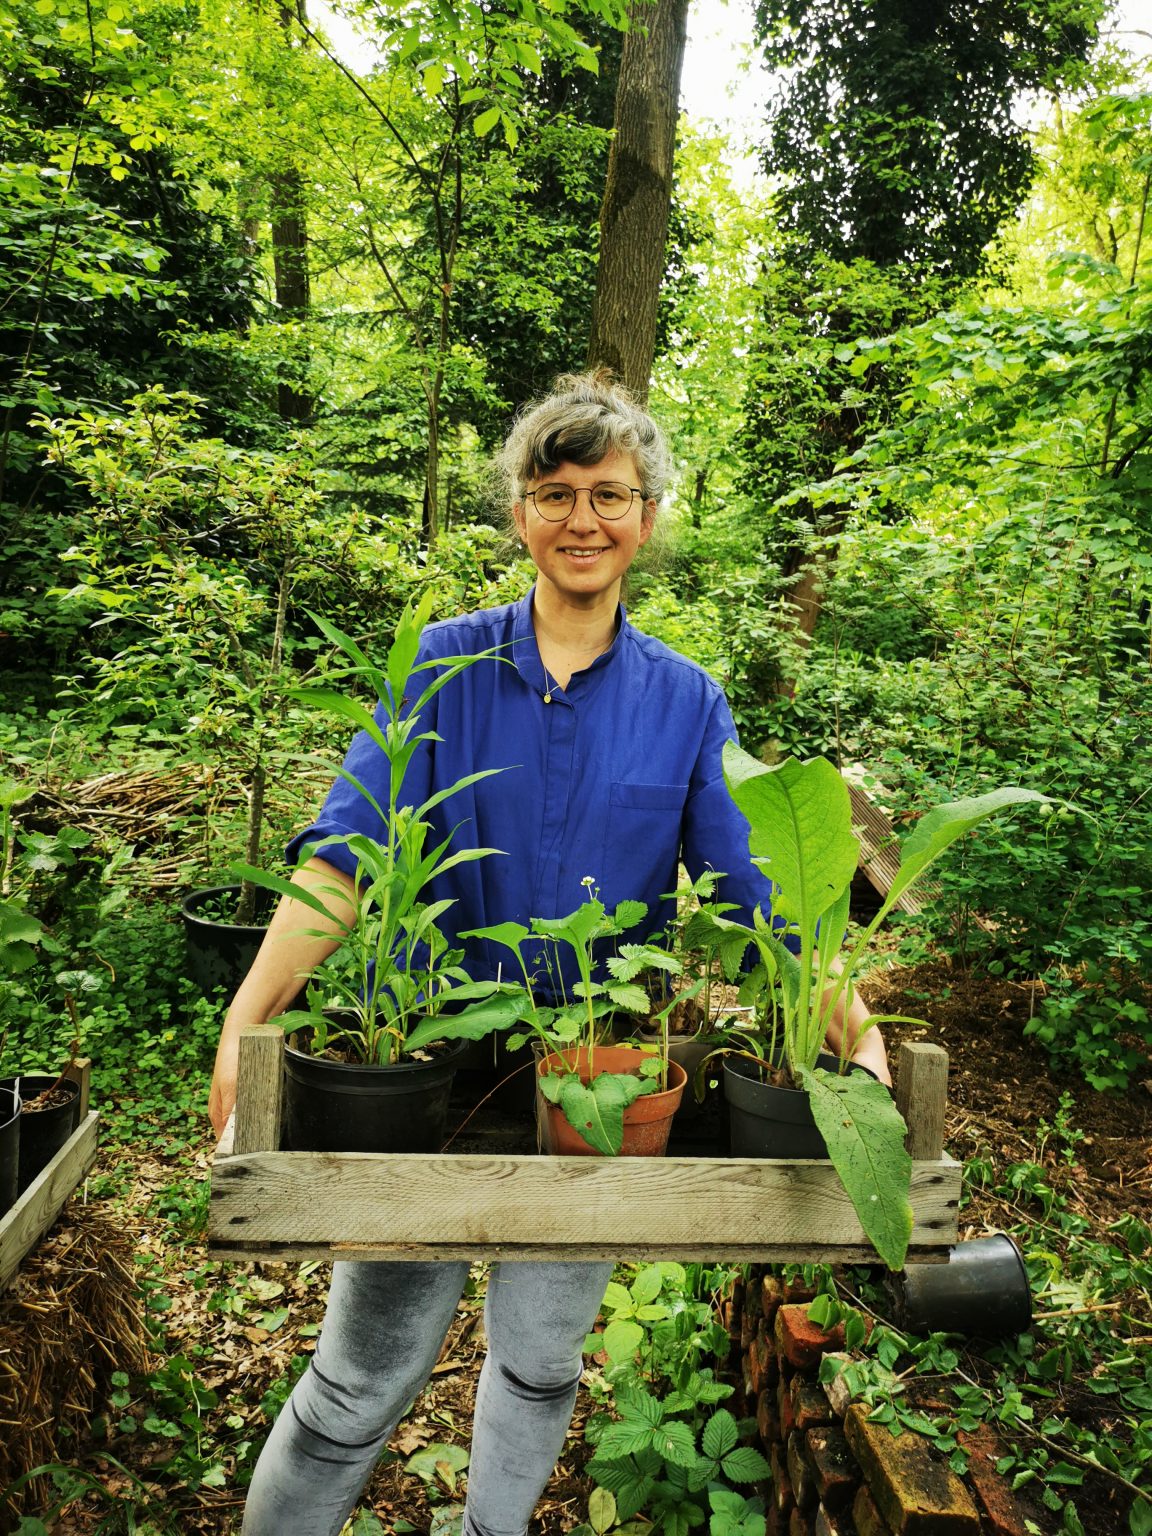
x: 610, y: 499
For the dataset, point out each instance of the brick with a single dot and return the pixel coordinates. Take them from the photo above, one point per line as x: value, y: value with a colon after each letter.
x: 775, y: 1523
x: 784, y: 1408
x: 800, y: 1524
x: 767, y: 1418
x: 809, y: 1403
x: 828, y: 1523
x: 835, y: 1468
x: 836, y: 1390
x: 1004, y: 1512
x: 747, y: 1328
x: 800, y: 1471
x: 746, y: 1381
x: 866, y: 1517
x: 755, y: 1369
x: 801, y: 1342
x: 914, y: 1491
x: 782, y: 1495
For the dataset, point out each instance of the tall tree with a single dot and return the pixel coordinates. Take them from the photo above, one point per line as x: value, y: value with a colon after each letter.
x: 638, y: 193
x: 894, y: 123
x: 900, y: 158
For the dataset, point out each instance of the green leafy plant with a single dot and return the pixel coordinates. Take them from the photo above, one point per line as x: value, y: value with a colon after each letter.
x: 800, y: 819
x: 581, y: 1019
x: 397, y: 976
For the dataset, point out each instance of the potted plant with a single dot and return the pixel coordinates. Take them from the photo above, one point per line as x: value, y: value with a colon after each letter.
x: 800, y: 821
x: 690, y: 1014
x: 375, y: 1074
x: 606, y: 1098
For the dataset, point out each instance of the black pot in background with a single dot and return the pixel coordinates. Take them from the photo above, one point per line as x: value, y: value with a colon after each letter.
x: 332, y: 1106
x: 765, y: 1121
x: 9, y: 1147
x: 221, y: 953
x: 982, y: 1292
x: 43, y: 1131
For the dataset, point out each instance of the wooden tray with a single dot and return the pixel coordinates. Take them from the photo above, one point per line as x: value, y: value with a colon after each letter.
x: 267, y: 1204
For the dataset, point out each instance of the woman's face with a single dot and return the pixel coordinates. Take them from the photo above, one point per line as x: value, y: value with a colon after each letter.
x: 584, y: 558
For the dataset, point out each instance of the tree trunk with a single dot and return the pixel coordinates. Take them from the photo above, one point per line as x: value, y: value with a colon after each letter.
x: 290, y: 257
x: 638, y: 194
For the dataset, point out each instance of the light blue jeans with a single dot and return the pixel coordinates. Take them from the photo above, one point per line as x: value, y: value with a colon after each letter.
x: 382, y: 1333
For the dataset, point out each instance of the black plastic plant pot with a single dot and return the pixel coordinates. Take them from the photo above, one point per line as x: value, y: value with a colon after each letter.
x: 221, y: 952
x: 982, y: 1292
x: 42, y: 1131
x: 766, y: 1121
x: 9, y: 1147
x: 334, y: 1106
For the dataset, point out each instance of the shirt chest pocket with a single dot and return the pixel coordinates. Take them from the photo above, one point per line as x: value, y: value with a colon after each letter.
x: 642, y: 837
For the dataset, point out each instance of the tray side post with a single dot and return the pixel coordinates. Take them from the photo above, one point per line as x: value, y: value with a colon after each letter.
x: 259, y: 1089
x: 80, y: 1072
x: 921, y: 1097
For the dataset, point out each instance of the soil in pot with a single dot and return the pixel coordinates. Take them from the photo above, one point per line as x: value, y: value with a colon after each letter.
x: 49, y: 1113
x: 767, y: 1121
x: 9, y: 1147
x: 220, y: 952
x: 647, y: 1122
x: 332, y: 1105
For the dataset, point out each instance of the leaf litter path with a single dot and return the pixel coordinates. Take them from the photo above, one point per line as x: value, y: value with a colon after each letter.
x: 256, y: 1324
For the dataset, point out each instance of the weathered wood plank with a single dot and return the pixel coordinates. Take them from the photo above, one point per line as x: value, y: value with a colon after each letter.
x: 407, y: 1205
x: 259, y: 1089
x: 698, y: 1253
x: 40, y: 1204
x: 80, y: 1071
x: 922, y: 1096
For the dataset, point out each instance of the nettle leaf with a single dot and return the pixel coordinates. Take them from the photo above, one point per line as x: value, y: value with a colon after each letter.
x: 864, y: 1133
x: 622, y: 1339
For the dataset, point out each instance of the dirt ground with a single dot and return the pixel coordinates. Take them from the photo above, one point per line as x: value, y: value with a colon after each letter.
x: 1002, y: 1094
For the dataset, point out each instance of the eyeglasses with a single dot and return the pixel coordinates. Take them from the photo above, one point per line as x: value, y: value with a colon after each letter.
x: 610, y: 499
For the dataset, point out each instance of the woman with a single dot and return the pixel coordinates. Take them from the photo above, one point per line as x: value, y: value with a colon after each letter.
x: 611, y: 748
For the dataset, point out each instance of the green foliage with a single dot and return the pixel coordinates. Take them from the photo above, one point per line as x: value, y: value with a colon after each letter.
x: 669, y: 1456
x: 897, y: 136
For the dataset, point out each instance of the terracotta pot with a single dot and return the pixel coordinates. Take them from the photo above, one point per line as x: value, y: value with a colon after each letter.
x: 647, y: 1122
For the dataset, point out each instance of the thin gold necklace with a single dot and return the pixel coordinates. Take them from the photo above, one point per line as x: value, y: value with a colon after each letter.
x: 549, y: 684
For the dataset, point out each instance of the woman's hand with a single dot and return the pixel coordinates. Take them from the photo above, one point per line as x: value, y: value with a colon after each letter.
x: 291, y: 950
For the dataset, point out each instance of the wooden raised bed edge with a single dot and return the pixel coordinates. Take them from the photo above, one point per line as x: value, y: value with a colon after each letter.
x: 40, y: 1204
x: 267, y: 1204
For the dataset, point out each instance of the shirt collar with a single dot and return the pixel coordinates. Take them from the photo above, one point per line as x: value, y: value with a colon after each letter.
x: 527, y: 653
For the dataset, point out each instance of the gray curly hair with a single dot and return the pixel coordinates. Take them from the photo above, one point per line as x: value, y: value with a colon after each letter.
x: 586, y: 417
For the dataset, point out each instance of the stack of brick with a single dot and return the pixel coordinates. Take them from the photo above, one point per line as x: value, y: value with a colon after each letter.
x: 833, y: 1472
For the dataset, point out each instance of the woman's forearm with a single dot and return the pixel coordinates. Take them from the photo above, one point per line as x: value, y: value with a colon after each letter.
x: 297, y: 941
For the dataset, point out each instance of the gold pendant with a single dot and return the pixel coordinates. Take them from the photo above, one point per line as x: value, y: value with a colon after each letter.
x: 547, y: 698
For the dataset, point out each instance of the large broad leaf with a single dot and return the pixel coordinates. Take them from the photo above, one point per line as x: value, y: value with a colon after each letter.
x: 507, y: 1006
x: 800, y: 818
x: 865, y: 1135
x: 939, y: 828
x: 596, y: 1109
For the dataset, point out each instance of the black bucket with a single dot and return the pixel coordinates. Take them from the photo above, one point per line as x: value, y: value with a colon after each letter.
x: 220, y: 953
x: 765, y: 1121
x: 334, y: 1106
x: 42, y: 1131
x: 982, y: 1292
x: 9, y: 1148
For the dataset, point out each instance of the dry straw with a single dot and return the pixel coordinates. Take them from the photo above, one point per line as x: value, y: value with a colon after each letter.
x: 71, y: 1317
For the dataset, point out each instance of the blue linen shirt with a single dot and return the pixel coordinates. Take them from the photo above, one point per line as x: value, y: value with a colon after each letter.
x: 619, y: 777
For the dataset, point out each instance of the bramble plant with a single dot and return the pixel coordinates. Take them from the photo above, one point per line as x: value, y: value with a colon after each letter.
x: 401, y: 974
x: 800, y: 819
